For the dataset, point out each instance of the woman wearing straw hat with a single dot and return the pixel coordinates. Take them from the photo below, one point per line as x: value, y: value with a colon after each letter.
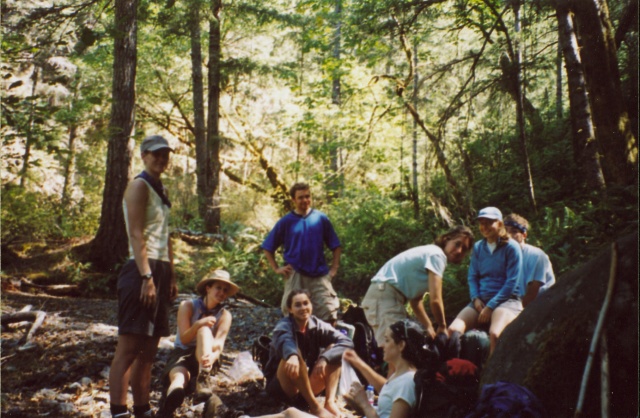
x: 203, y: 325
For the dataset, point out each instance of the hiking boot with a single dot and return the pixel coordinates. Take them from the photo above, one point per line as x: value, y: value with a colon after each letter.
x: 148, y: 414
x: 122, y: 415
x: 172, y: 402
x: 213, y: 408
x: 203, y: 387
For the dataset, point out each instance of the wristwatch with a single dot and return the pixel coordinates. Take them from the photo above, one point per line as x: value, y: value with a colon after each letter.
x: 147, y: 276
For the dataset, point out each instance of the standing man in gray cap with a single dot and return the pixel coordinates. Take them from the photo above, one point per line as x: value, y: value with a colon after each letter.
x: 146, y: 284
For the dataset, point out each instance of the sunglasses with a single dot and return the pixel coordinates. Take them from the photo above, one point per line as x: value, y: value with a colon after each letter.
x: 405, y: 324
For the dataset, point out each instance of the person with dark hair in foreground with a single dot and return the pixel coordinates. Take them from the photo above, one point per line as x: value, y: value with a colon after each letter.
x: 405, y: 350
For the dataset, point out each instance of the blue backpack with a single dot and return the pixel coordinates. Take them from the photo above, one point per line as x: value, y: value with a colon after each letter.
x: 507, y: 400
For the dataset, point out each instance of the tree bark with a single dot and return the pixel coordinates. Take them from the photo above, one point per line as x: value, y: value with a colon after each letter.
x: 414, y: 152
x: 212, y: 215
x: 110, y: 245
x: 200, y: 131
x: 559, y: 94
x: 617, y: 142
x: 520, y: 106
x: 68, y: 165
x: 334, y: 178
x: 585, y: 150
x: 29, y: 140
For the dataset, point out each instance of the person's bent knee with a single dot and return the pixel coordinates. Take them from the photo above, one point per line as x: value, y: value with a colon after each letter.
x: 204, y: 332
x: 458, y: 325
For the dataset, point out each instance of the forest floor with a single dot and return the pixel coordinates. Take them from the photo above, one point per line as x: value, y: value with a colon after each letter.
x: 63, y: 368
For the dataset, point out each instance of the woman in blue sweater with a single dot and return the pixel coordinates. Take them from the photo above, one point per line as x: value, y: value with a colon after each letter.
x: 495, y: 269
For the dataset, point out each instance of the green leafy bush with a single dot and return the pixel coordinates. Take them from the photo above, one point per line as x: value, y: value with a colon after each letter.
x: 240, y: 254
x: 30, y: 215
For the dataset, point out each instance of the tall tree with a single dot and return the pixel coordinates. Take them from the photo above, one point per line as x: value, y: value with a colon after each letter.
x: 414, y: 154
x: 584, y: 141
x: 199, y: 132
x: 333, y: 183
x: 617, y: 142
x: 522, y: 133
x: 212, y: 197
x: 110, y: 243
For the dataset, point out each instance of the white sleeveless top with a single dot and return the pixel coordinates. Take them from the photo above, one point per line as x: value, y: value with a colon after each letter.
x: 156, y: 227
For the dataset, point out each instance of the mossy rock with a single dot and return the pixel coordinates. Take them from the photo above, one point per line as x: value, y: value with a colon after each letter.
x: 546, y: 347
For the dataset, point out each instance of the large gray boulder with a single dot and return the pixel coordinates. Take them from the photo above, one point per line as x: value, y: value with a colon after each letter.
x: 546, y: 347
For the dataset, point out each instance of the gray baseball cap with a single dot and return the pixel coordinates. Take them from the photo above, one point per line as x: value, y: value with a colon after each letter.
x: 490, y: 213
x: 154, y: 143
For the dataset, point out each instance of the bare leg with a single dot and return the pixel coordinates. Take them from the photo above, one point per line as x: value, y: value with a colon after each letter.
x: 302, y: 385
x: 466, y: 319
x: 204, y: 344
x: 500, y: 318
x: 330, y: 384
x: 288, y: 413
x: 178, y: 378
x: 141, y: 370
x: 129, y: 347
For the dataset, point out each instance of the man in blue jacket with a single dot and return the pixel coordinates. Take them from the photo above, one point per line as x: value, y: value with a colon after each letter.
x: 303, y: 233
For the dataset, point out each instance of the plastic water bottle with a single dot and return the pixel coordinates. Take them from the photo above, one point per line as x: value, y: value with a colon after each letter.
x: 370, y: 394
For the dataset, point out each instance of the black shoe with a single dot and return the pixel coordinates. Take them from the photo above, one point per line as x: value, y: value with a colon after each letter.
x: 172, y: 402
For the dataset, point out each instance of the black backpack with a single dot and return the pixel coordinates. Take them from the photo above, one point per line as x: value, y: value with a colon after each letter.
x: 363, y: 339
x: 475, y: 347
x: 260, y: 350
x: 449, y: 391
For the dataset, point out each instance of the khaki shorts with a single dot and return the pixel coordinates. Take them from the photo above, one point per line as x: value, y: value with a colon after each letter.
x: 323, y: 298
x: 514, y: 306
x: 383, y: 306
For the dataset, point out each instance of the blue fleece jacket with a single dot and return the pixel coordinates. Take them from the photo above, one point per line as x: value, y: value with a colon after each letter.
x: 494, y: 277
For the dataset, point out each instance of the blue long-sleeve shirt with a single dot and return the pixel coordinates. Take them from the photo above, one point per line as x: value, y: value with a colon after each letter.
x: 494, y: 276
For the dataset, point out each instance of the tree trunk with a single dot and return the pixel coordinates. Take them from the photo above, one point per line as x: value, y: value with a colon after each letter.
x: 585, y: 150
x: 68, y: 165
x: 29, y: 141
x: 461, y: 203
x: 520, y: 106
x: 212, y: 215
x: 617, y: 142
x: 198, y: 109
x: 414, y: 159
x: 559, y: 94
x: 334, y: 178
x: 110, y: 245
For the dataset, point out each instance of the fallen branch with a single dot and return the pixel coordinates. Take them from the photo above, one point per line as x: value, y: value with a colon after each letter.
x: 12, y: 318
x: 54, y: 289
x: 37, y: 317
x: 253, y: 300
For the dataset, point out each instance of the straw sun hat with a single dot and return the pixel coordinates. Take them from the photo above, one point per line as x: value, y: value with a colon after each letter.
x: 217, y: 276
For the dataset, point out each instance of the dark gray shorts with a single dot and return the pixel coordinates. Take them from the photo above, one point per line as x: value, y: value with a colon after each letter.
x: 133, y: 317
